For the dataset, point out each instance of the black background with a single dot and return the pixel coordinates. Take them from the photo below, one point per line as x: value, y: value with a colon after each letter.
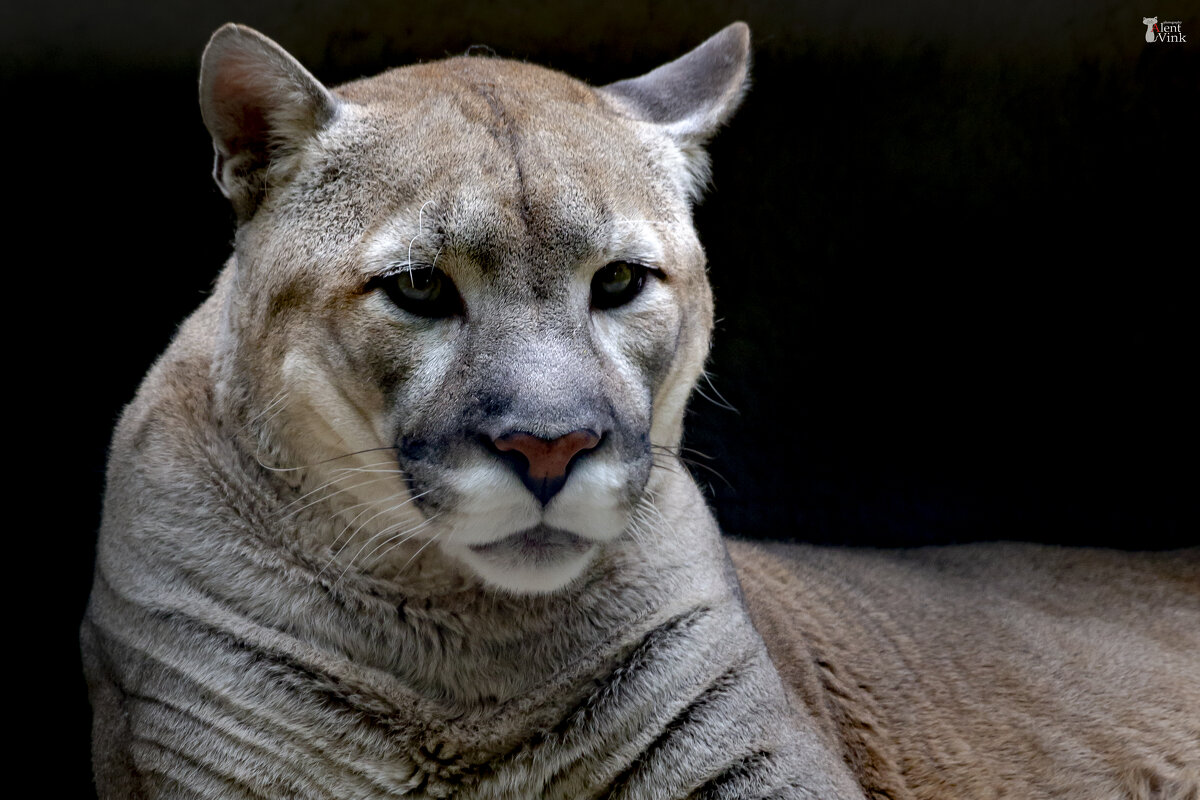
x: 950, y: 246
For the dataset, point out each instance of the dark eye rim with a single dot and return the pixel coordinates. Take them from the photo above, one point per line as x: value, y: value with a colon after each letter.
x: 604, y: 301
x: 447, y: 303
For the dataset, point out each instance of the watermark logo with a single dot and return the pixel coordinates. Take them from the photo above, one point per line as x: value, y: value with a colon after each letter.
x: 1166, y: 31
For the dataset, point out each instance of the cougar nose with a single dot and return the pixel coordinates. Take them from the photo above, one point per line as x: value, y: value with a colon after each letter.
x: 543, y: 464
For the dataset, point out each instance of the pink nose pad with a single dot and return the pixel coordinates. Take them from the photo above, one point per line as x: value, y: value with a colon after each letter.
x: 546, y: 461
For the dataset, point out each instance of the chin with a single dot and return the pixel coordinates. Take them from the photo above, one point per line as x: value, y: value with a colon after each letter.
x: 538, y: 560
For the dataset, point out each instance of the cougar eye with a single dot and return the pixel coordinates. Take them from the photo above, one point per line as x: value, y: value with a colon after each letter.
x: 424, y: 291
x: 617, y: 284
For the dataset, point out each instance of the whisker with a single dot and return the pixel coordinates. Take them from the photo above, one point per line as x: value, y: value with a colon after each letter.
x: 366, y: 469
x: 666, y: 467
x: 274, y: 414
x: 396, y: 507
x: 278, y: 397
x: 637, y: 526
x: 408, y: 532
x: 663, y: 449
x: 392, y: 540
x: 723, y: 402
x: 707, y: 468
x: 368, y: 503
x: 372, y: 465
x: 327, y: 484
x: 420, y: 229
x: 325, y: 461
x: 432, y: 539
x: 331, y: 494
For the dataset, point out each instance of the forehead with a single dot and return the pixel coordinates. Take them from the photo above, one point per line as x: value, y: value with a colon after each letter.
x: 501, y: 154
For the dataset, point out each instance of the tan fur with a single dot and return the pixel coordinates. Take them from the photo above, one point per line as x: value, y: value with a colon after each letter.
x: 998, y: 670
x: 318, y: 578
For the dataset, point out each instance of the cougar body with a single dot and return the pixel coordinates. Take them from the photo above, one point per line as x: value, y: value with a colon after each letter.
x: 398, y: 513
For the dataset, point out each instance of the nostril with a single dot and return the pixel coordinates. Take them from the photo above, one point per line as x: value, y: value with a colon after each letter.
x: 514, y: 458
x: 543, y: 464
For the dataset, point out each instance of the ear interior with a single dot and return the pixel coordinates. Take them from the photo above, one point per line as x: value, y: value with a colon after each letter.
x: 692, y: 96
x: 260, y: 105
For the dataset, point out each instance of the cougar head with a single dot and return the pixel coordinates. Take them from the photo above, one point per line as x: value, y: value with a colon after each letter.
x: 468, y: 301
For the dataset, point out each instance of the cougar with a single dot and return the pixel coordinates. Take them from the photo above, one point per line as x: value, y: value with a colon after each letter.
x: 400, y: 512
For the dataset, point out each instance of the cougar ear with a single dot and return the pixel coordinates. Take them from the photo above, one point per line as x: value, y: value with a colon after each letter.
x: 693, y: 95
x: 260, y: 105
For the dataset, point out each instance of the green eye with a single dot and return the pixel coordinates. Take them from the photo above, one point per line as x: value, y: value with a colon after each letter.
x: 424, y: 291
x: 617, y: 284
x: 419, y: 286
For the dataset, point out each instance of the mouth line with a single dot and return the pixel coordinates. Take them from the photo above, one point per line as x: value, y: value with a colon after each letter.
x: 537, y: 544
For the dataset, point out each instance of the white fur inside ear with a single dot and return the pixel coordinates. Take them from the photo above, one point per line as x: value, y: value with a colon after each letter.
x: 693, y: 169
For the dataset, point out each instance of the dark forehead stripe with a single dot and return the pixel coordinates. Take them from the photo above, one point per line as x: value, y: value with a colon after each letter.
x: 546, y: 146
x: 562, y: 215
x: 508, y: 135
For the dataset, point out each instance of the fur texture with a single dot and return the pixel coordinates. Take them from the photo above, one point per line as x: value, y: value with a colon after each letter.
x: 318, y: 577
x: 998, y: 670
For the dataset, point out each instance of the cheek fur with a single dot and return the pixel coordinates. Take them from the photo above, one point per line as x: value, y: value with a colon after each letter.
x: 642, y: 340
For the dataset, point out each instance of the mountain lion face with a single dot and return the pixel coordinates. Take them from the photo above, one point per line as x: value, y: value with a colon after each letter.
x: 472, y: 304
